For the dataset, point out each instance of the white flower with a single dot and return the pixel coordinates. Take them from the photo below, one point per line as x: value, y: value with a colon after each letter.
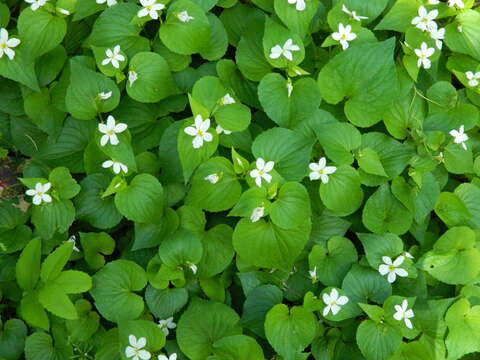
x: 36, y: 4
x: 285, y: 50
x: 192, y: 267
x: 167, y: 324
x: 406, y: 253
x: 472, y: 78
x: 300, y: 4
x: 459, y: 136
x: 184, y: 17
x: 353, y: 14
x: 257, y: 214
x: 423, y: 54
x: 109, y: 2
x: 227, y: 99
x: 40, y: 193
x: 321, y: 171
x: 262, y: 171
x: 135, y: 349
x: 105, y: 95
x: 7, y: 44
x: 221, y: 130
x: 424, y: 20
x: 63, y: 11
x: 132, y: 77
x: 458, y: 3
x: 438, y: 35
x: 403, y: 314
x: 289, y: 87
x: 212, y: 178
x: 333, y: 302
x: 433, y: 2
x: 460, y: 28
x: 171, y: 357
x: 114, y: 57
x: 392, y: 269
x: 344, y: 35
x: 117, y: 166
x: 199, y: 131
x: 150, y: 7
x: 111, y: 129
x: 313, y: 274
x: 73, y: 240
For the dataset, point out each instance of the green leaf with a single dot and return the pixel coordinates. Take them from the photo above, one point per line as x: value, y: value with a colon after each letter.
x: 297, y: 21
x: 240, y: 347
x: 40, y: 346
x: 12, y: 339
x: 378, y: 341
x: 400, y: 15
x: 181, y: 248
x: 217, y: 251
x: 53, y: 265
x: 63, y: 183
x: 218, y: 42
x: 291, y: 207
x: 28, y: 265
x: 457, y: 160
x: 376, y: 246
x: 369, y: 161
x: 54, y: 299
x: 166, y: 302
x: 142, y: 329
x: 469, y: 194
x: 468, y: 40
x: 233, y: 117
x: 338, y: 140
x: 74, y: 282
x: 21, y: 69
x: 33, y: 312
x: 451, y: 209
x: 95, y: 246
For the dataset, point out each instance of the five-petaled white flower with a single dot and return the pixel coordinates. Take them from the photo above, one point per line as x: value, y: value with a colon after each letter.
x: 111, y: 129
x: 221, y: 130
x: 425, y: 19
x: 313, y: 274
x: 257, y: 214
x: 423, y: 55
x: 36, y: 4
x: 333, y: 302
x: 109, y: 2
x: 72, y: 240
x: 113, y: 57
x: 285, y: 50
x: 438, y: 35
x: 136, y: 349
x: 184, y: 17
x: 7, y: 44
x: 300, y: 4
x: 105, y: 95
x: 171, y: 357
x: 200, y: 131
x: 392, y: 268
x: 458, y: 3
x: 132, y: 77
x: 473, y: 78
x: 212, y: 178
x: 40, y: 193
x: 344, y: 35
x: 289, y: 87
x: 353, y: 14
x: 150, y: 8
x: 227, y: 99
x: 117, y: 166
x: 321, y: 171
x: 459, y: 136
x: 167, y: 324
x: 262, y: 171
x: 404, y: 313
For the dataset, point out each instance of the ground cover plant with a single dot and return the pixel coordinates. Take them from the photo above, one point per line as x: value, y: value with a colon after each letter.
x: 233, y: 180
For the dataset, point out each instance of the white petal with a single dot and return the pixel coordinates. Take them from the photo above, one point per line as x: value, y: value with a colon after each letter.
x: 129, y: 351
x: 10, y: 53
x: 46, y: 187
x: 116, y: 168
x: 269, y: 166
x: 387, y: 260
x: 399, y: 260
x: 197, y: 142
x: 190, y: 130
x: 207, y: 137
x: 198, y: 121
x: 401, y: 272
x: 104, y: 140
x: 258, y: 181
x: 398, y: 315
x: 408, y: 323
x: 46, y: 198
x: 13, y: 42
x: 121, y: 127
x: 107, y: 164
x: 143, y: 12
x: 260, y: 163
x: 113, y: 139
x: 383, y: 269
x: 30, y: 192
x: 324, y: 178
x: 322, y: 162
x: 254, y: 173
x: 288, y: 55
x: 335, y: 309
x: 409, y: 313
x: 391, y: 277
x: 267, y: 177
x: 144, y: 355
x: 342, y: 300
x: 37, y: 200
x: 326, y: 299
x: 333, y: 295
x: 205, y: 125
x: 314, y: 175
x: 329, y: 170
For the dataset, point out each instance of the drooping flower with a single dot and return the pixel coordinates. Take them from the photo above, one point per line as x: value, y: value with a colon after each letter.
x: 257, y: 214
x: 136, y: 349
x: 333, y: 302
x: 171, y: 357
x: 423, y: 55
x: 220, y: 130
x: 184, y: 17
x: 132, y: 77
x: 289, y: 87
x: 425, y: 19
x: 109, y: 2
x: 192, y: 266
x: 36, y: 4
x: 473, y: 78
x: 300, y: 4
x: 438, y: 35
x: 7, y: 44
x: 166, y: 325
x: 285, y: 50
x: 113, y: 57
x: 105, y: 95
x: 63, y: 11
x: 344, y: 35
x: 227, y: 99
x: 459, y: 136
x: 111, y: 129
x: 200, y: 131
x: 408, y: 255
x: 212, y: 178
x: 457, y: 3
x: 40, y: 193
x: 150, y: 8
x: 404, y: 313
x: 353, y: 14
x: 72, y: 239
x: 321, y: 171
x: 313, y: 274
x: 392, y: 268
x: 117, y: 166
x: 262, y: 171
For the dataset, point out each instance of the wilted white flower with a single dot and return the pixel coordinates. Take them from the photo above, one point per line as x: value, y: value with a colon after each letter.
x: 344, y: 35
x: 321, y: 171
x: 438, y: 35
x: 425, y: 19
x: 392, y: 268
x: 334, y: 302
x: 257, y: 214
x: 113, y: 57
x: 408, y: 255
x: 353, y: 14
x: 404, y: 313
x: 63, y: 11
x: 184, y: 17
x: 111, y: 129
x: 459, y: 136
x: 167, y: 324
x: 458, y: 3
x: 460, y: 28
x: 423, y: 55
x: 150, y: 8
x: 136, y: 349
x: 285, y: 50
x: 132, y: 77
x: 212, y: 178
x: 109, y: 2
x: 262, y: 171
x: 473, y: 78
x: 7, y: 44
x: 200, y: 131
x: 40, y: 193
x: 192, y: 267
x: 221, y: 130
x: 227, y: 99
x: 72, y: 239
x: 289, y: 87
x: 300, y: 4
x: 36, y: 4
x: 313, y: 274
x: 117, y: 166
x: 105, y: 95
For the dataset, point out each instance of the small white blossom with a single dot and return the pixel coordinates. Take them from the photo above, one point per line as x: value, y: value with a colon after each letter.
x: 344, y: 35
x: 313, y: 274
x: 425, y: 19
x: 184, y: 17
x: 458, y: 3
x: 257, y: 214
x: 171, y: 357
x: 72, y: 239
x: 227, y: 99
x: 392, y: 268
x: 7, y: 44
x: 423, y: 55
x: 105, y: 95
x: 473, y: 78
x: 300, y: 4
x: 136, y: 349
x: 200, y: 131
x: 220, y: 130
x: 285, y: 50
x: 438, y: 35
x: 111, y: 129
x: 109, y: 2
x: 113, y: 57
x: 289, y: 87
x: 333, y: 302
x: 212, y: 178
x: 404, y: 313
x: 117, y: 166
x: 150, y: 8
x: 167, y: 324
x: 36, y: 4
x: 132, y: 77
x: 321, y: 171
x: 353, y: 14
x: 262, y: 171
x: 459, y: 136
x: 40, y: 193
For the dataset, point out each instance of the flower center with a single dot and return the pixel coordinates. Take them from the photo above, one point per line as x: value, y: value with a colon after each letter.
x: 321, y: 171
x: 3, y: 45
x: 200, y: 133
x: 261, y: 172
x: 149, y: 7
x: 391, y: 268
x: 110, y: 132
x: 343, y: 37
x: 333, y: 303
